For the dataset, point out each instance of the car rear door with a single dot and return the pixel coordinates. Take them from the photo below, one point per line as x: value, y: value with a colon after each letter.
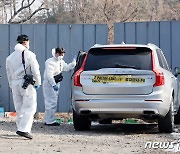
x: 80, y: 58
x: 111, y: 71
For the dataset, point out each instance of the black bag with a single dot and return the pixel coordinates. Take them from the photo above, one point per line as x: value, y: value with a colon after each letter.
x: 28, y: 78
x: 58, y: 78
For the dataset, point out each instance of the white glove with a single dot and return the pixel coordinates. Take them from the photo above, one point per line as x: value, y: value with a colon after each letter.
x: 73, y: 63
x: 56, y: 88
x: 75, y: 57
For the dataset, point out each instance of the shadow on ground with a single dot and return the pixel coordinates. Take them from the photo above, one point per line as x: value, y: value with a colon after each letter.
x: 96, y: 129
x: 118, y: 128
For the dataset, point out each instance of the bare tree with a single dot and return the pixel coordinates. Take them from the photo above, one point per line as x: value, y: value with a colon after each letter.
x: 23, y: 7
x: 111, y: 11
x: 89, y: 11
x: 3, y: 6
x: 20, y: 11
x: 174, y: 9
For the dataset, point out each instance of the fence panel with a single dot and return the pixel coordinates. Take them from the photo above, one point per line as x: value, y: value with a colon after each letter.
x: 119, y: 30
x: 131, y: 33
x: 165, y: 40
x: 40, y: 51
x: 89, y: 37
x: 44, y: 37
x: 141, y: 33
x: 175, y: 40
x: 101, y: 34
x: 4, y: 52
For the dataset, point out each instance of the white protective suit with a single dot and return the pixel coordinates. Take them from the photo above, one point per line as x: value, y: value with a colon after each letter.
x: 25, y: 100
x: 53, y: 66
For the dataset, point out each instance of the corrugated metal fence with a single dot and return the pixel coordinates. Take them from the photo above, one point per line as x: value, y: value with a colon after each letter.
x: 165, y: 34
x: 42, y: 39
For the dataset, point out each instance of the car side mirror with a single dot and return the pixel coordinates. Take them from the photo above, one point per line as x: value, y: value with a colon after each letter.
x: 176, y: 71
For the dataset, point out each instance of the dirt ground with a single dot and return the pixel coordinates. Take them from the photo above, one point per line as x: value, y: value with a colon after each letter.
x: 117, y: 138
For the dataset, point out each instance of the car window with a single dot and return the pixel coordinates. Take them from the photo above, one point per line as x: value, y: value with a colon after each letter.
x: 137, y: 58
x: 166, y: 66
x: 162, y: 60
x: 79, y: 60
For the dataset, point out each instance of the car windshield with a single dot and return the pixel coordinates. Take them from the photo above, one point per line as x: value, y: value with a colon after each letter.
x: 136, y: 58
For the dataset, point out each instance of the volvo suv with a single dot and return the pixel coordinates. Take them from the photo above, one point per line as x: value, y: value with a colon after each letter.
x: 112, y: 82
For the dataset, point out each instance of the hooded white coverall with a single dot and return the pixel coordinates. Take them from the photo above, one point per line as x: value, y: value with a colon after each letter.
x: 25, y: 100
x: 53, y: 66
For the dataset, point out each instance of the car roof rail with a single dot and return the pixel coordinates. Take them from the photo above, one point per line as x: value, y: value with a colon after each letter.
x: 151, y: 44
x: 96, y: 45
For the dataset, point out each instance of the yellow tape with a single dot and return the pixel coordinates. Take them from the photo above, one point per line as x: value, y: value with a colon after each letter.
x: 116, y: 78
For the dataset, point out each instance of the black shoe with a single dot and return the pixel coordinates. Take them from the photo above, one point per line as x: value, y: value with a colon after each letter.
x: 53, y: 124
x: 24, y: 134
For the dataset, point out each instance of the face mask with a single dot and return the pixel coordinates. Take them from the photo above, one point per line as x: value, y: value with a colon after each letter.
x: 27, y: 47
x: 60, y: 57
x: 26, y: 44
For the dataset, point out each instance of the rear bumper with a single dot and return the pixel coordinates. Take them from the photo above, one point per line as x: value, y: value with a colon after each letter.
x: 123, y: 108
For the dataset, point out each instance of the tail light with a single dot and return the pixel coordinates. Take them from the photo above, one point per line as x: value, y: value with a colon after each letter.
x: 159, y: 78
x: 159, y: 75
x: 78, y: 72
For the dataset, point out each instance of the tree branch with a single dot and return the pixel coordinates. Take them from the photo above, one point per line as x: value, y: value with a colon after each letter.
x: 20, y: 9
x: 14, y: 5
x: 132, y: 14
x: 29, y: 17
x: 127, y: 10
x: 173, y: 9
x: 104, y: 10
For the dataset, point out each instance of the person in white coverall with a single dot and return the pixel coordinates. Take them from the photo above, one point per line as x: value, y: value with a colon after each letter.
x: 25, y: 100
x: 53, y: 66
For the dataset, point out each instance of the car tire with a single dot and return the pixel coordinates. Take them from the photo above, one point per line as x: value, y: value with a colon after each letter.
x: 177, y: 117
x: 105, y: 121
x: 81, y: 122
x: 166, y: 124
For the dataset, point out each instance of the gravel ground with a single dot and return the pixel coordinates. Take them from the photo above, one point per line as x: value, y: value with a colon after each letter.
x: 114, y: 139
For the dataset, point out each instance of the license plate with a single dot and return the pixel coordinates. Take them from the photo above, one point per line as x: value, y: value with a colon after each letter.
x: 117, y: 78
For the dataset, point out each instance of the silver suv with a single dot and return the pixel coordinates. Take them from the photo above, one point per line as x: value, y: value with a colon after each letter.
x: 120, y: 81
